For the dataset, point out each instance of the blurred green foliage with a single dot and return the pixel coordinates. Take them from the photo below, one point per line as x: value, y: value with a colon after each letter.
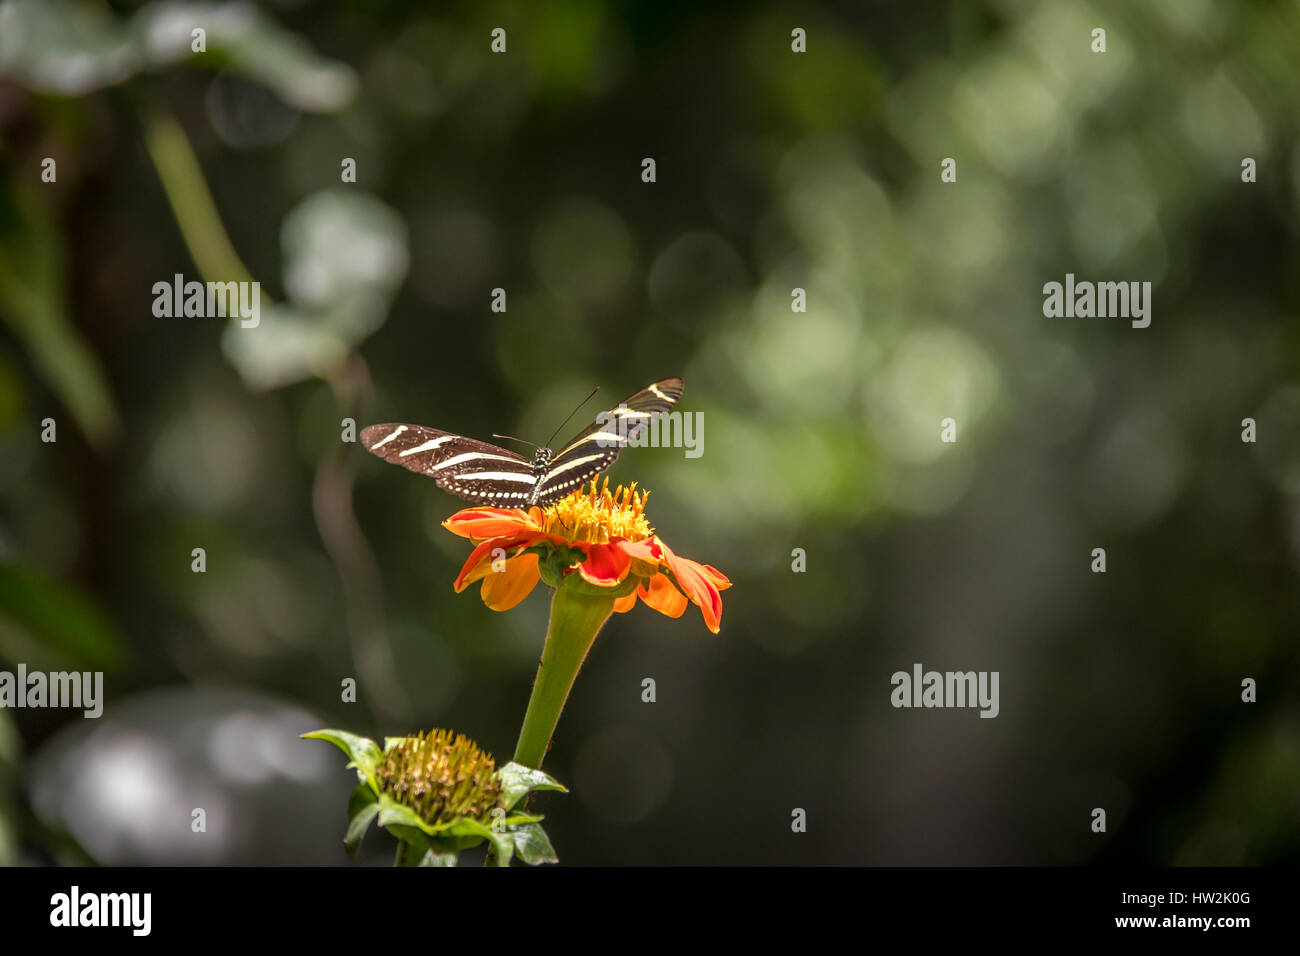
x: 776, y: 171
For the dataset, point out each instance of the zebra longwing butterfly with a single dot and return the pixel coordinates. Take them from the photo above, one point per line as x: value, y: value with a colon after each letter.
x: 490, y: 475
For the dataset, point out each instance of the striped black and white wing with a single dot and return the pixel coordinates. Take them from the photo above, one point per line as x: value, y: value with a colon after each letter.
x: 596, y: 447
x: 474, y: 470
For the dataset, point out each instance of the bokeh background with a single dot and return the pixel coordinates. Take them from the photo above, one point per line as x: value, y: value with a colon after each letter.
x: 776, y: 170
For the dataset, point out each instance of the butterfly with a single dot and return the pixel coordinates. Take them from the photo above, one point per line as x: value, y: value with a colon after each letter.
x: 487, y: 474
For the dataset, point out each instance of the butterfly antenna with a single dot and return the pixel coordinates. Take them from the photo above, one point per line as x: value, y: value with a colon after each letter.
x: 571, y: 414
x: 513, y: 438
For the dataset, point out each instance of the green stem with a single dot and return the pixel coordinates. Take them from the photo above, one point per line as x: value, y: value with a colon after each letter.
x: 408, y: 855
x: 576, y: 619
x: 191, y: 201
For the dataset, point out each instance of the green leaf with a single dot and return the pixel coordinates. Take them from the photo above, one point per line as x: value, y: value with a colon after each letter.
x: 51, y: 626
x: 466, y: 827
x: 74, y: 48
x: 533, y: 845
x: 362, y: 752
x: 363, y: 807
x: 360, y: 799
x: 472, y: 833
x: 518, y: 781
x: 62, y: 48
x: 525, y: 837
x: 412, y: 851
x: 243, y: 39
x: 504, y: 846
x: 458, y: 843
x: 417, y: 848
x: 394, y: 814
x: 33, y: 303
x: 519, y: 819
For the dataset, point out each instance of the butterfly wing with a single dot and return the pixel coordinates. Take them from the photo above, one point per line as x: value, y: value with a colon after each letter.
x: 596, y: 447
x: 474, y: 470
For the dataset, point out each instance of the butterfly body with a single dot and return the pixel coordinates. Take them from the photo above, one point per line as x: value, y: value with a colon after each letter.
x: 488, y: 474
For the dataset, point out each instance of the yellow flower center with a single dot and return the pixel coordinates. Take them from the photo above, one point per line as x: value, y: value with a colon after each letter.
x: 594, y: 517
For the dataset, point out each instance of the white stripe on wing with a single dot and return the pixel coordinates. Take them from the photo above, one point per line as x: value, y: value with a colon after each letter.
x: 474, y: 456
x: 495, y: 476
x: 427, y: 446
x: 397, y: 431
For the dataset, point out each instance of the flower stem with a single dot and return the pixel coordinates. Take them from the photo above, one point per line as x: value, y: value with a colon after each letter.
x: 407, y: 855
x: 191, y: 201
x: 576, y: 619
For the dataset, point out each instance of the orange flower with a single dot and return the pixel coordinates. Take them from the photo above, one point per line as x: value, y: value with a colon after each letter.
x: 602, y: 536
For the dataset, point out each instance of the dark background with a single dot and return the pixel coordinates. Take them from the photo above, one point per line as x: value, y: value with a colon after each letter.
x: 775, y: 170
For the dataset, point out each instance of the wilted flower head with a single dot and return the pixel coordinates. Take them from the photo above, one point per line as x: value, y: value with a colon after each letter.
x: 441, y: 776
x: 439, y: 794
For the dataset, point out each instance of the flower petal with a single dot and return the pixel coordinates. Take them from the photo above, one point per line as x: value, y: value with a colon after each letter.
x: 504, y: 589
x: 698, y: 586
x: 721, y: 580
x: 479, y: 524
x: 606, y: 565
x: 648, y: 550
x: 663, y: 596
x: 646, y: 556
x: 479, y: 562
x: 625, y: 603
